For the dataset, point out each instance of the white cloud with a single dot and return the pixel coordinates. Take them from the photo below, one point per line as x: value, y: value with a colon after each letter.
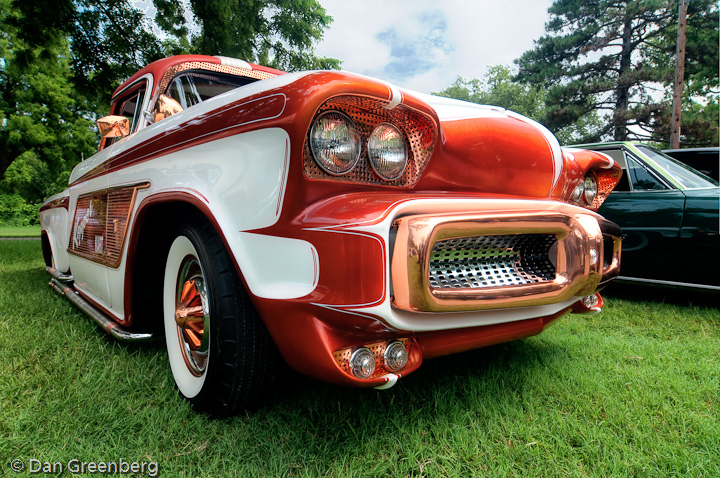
x: 423, y: 44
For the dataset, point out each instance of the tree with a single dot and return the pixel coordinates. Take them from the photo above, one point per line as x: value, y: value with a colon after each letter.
x: 277, y: 33
x: 44, y: 130
x: 616, y: 56
x: 108, y: 39
x: 498, y: 89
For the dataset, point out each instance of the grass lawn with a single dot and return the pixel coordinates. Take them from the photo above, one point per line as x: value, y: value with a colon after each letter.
x: 634, y: 391
x: 20, y: 231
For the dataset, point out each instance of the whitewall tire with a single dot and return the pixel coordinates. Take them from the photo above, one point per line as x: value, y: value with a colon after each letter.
x: 221, y: 355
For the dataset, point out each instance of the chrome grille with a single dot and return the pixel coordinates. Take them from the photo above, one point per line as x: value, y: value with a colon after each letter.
x: 491, y: 261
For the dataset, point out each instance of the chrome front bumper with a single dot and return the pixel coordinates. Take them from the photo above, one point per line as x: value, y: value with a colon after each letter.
x: 479, y: 261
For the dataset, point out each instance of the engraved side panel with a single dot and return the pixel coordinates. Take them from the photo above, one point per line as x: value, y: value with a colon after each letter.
x: 87, y: 237
x: 119, y: 205
x: 100, y: 224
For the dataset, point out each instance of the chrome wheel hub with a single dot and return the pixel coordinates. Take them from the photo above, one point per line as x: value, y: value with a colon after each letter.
x: 192, y: 316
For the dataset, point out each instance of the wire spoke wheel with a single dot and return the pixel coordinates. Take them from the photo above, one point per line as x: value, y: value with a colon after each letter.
x: 192, y: 316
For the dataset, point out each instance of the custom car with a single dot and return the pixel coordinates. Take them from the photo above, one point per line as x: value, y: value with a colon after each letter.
x: 337, y: 222
x: 669, y: 216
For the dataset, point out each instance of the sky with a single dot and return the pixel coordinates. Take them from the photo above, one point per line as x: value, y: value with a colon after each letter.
x: 424, y: 45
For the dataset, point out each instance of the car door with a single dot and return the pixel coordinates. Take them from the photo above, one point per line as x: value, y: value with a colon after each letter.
x: 650, y: 211
x: 101, y: 211
x: 700, y: 238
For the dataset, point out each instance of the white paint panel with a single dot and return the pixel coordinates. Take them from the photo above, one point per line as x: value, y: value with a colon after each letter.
x: 449, y: 109
x: 92, y: 279
x: 55, y: 223
x: 241, y: 177
x: 278, y: 267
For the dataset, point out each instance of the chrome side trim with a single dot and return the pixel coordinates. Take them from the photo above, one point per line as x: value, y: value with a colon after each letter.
x: 109, y: 326
x: 668, y: 282
x: 62, y: 277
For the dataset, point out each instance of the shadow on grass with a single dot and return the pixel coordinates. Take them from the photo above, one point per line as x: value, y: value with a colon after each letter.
x: 683, y: 296
x: 474, y: 382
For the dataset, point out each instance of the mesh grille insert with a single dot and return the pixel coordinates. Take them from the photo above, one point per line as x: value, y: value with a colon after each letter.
x: 491, y: 261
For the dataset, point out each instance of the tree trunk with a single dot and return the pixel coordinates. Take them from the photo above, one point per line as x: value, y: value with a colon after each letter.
x: 679, y: 77
x: 622, y: 91
x: 4, y: 158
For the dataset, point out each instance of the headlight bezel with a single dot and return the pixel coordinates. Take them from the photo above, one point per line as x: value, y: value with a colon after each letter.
x: 418, y: 128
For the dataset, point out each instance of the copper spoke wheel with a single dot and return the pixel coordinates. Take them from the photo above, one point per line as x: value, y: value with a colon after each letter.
x: 192, y: 316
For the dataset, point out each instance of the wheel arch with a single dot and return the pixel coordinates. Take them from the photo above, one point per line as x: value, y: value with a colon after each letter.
x: 156, y: 219
x: 46, y: 248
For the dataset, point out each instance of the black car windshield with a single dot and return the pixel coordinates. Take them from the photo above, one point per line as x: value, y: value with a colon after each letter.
x: 683, y: 174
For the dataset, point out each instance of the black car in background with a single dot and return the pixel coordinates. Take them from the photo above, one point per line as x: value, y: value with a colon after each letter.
x: 669, y: 217
x: 705, y: 160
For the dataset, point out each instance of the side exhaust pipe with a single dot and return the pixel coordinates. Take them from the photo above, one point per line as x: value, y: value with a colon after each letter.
x: 60, y: 284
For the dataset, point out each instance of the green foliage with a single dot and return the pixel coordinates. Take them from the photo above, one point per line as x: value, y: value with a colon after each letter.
x: 277, y: 33
x: 110, y: 40
x: 44, y: 128
x: 15, y: 211
x: 498, y: 89
x: 607, y: 55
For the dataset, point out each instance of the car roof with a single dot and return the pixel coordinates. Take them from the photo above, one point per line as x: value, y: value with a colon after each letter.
x: 710, y: 149
x: 157, y: 68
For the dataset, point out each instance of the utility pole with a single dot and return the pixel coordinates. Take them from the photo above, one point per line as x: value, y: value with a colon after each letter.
x: 679, y: 76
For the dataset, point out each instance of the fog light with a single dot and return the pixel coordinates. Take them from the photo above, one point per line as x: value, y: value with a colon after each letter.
x: 593, y: 257
x: 590, y: 301
x: 396, y: 356
x: 362, y: 363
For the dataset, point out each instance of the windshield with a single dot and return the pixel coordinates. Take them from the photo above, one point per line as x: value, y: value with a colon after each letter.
x: 193, y: 87
x: 682, y: 173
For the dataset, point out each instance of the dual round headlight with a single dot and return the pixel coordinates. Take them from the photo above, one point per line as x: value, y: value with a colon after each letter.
x: 387, y: 151
x: 336, y: 145
x: 585, y: 191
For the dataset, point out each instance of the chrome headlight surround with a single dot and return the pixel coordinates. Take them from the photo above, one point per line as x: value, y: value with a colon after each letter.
x: 362, y: 363
x: 335, y: 142
x: 387, y: 151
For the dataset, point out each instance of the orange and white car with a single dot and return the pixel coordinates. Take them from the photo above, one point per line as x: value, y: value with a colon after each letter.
x: 337, y: 221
